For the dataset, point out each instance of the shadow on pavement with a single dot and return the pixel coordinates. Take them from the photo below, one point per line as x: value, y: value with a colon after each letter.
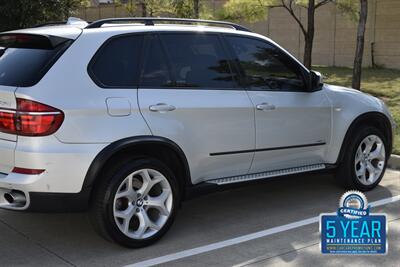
x: 200, y: 221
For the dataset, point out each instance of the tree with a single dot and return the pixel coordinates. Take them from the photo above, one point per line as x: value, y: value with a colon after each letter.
x: 176, y: 8
x: 154, y: 8
x: 255, y: 10
x: 143, y: 6
x: 18, y: 14
x: 147, y: 8
x: 196, y: 8
x: 131, y: 6
x: 191, y: 9
x: 360, y: 44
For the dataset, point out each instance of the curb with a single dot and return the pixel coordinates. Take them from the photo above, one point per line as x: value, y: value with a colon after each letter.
x: 394, y: 162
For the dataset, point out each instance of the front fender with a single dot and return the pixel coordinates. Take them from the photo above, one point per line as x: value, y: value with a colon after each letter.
x: 348, y: 105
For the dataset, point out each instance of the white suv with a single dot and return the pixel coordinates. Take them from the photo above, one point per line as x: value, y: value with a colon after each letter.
x: 129, y: 116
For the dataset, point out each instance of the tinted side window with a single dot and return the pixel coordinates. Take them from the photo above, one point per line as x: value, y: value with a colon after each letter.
x: 116, y: 64
x: 265, y: 66
x: 198, y: 60
x: 155, y: 72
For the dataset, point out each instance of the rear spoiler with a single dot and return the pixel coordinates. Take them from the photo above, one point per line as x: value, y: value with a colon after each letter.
x: 71, y: 21
x: 32, y: 41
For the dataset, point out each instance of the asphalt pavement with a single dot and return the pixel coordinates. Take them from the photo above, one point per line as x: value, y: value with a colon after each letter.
x: 270, y: 223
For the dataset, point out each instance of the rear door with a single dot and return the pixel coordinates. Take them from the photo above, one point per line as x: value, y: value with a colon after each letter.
x: 189, y: 94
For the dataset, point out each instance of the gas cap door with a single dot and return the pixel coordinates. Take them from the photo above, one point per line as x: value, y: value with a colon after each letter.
x: 118, y: 106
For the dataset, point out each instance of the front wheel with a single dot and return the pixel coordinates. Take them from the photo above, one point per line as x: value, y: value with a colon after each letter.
x: 135, y: 204
x: 365, y: 160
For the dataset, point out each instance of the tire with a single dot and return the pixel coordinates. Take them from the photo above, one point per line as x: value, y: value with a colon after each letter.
x: 139, y: 215
x: 349, y: 173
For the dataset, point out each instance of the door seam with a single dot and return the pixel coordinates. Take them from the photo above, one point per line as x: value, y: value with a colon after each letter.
x: 255, y: 131
x: 140, y: 111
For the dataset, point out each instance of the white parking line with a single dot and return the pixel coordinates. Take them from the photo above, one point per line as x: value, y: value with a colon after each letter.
x: 243, y: 238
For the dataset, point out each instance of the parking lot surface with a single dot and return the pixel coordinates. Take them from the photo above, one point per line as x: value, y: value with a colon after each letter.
x: 266, y: 223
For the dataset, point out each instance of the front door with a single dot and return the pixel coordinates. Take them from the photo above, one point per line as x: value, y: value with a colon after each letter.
x: 293, y: 124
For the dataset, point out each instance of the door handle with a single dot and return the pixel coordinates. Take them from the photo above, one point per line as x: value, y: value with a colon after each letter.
x: 162, y: 108
x: 265, y: 106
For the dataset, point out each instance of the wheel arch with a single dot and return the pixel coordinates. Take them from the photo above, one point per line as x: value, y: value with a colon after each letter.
x: 375, y: 119
x: 141, y: 145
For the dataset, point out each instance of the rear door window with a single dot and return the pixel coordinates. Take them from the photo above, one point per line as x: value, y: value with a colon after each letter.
x: 25, y: 59
x: 198, y: 60
x: 116, y: 64
x: 156, y: 72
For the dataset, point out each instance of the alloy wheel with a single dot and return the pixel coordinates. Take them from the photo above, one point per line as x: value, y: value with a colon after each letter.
x: 370, y: 159
x: 142, y: 204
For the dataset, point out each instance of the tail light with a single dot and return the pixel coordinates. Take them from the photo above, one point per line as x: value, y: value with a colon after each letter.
x: 31, y: 118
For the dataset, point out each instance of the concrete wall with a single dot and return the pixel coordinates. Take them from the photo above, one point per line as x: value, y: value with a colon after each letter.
x: 335, y: 35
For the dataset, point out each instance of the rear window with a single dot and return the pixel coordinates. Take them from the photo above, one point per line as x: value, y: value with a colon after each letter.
x: 25, y: 59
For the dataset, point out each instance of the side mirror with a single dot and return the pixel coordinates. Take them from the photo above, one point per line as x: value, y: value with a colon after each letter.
x: 316, y: 80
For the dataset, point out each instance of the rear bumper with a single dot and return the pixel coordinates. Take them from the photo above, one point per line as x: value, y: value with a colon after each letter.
x: 7, y: 149
x: 49, y: 202
x: 60, y: 186
x: 59, y: 202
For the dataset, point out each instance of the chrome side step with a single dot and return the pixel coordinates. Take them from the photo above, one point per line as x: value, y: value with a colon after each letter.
x: 264, y: 175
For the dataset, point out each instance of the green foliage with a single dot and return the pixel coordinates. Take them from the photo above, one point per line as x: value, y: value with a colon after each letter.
x: 130, y: 6
x: 246, y: 10
x: 15, y: 14
x: 158, y: 7
x: 173, y: 8
x: 350, y: 8
x: 183, y: 9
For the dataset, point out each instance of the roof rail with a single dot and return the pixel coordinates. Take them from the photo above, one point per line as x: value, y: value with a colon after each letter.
x: 150, y: 22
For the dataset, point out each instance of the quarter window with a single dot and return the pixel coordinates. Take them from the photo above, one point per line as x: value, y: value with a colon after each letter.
x: 266, y: 66
x: 117, y: 62
x: 198, y: 60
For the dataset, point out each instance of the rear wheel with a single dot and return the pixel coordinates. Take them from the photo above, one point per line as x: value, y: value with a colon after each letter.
x: 135, y: 205
x: 365, y: 160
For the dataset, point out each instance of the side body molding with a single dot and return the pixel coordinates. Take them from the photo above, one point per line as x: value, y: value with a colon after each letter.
x: 129, y: 143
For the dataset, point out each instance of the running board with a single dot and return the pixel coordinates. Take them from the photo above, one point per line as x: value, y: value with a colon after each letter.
x: 264, y: 175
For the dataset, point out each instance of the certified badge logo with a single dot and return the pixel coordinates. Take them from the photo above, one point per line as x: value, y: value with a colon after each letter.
x: 353, y: 205
x: 353, y: 229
